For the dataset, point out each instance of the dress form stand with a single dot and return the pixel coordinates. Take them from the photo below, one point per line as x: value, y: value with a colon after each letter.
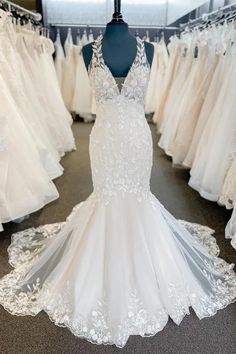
x: 118, y: 45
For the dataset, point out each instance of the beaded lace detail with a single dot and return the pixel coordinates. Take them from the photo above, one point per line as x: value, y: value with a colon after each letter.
x: 104, y: 84
x: 121, y: 162
x: 27, y: 246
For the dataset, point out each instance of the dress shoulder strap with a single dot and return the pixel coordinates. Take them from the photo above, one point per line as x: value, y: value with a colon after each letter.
x: 141, y: 57
x: 97, y: 53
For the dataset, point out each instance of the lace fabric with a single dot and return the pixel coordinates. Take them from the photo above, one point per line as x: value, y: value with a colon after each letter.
x: 104, y: 85
x: 121, y: 264
x: 29, y: 298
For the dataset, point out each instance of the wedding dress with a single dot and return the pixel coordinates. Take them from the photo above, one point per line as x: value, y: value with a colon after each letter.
x: 162, y: 65
x: 27, y: 161
x: 69, y: 71
x: 121, y: 264
x: 16, y: 80
x: 59, y: 59
x: 149, y: 99
x: 209, y: 102
x: 170, y: 118
x: 228, y: 193
x: 197, y: 86
x: 215, y: 42
x: 39, y: 59
x: 82, y: 100
x: 170, y: 74
x: 157, y: 77
x: 213, y: 155
x: 230, y: 230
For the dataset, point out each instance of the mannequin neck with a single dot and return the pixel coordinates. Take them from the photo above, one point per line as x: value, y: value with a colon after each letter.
x: 117, y: 31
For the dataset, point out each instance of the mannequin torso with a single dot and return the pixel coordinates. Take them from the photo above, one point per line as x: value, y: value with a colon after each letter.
x: 119, y: 49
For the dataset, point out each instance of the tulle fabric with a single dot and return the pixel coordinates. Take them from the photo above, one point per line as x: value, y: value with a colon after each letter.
x: 104, y: 275
x: 170, y: 74
x: 59, y: 60
x: 69, y: 71
x: 157, y: 77
x: 209, y: 102
x: 169, y: 118
x: 82, y: 100
x: 149, y: 100
x: 21, y: 192
x: 188, y: 113
x: 29, y: 153
x: 48, y: 91
x: 213, y: 156
x: 230, y: 230
x: 228, y: 193
x: 18, y: 82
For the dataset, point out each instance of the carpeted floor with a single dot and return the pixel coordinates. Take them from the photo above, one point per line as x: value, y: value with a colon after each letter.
x: 38, y: 335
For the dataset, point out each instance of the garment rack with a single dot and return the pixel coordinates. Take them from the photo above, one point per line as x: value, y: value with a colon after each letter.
x: 103, y: 26
x: 37, y: 16
x: 206, y: 16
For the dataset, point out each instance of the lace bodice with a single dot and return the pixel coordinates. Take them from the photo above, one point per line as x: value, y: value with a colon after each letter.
x: 104, y: 84
x: 120, y: 141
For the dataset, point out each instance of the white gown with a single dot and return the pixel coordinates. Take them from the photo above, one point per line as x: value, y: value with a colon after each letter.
x: 69, y: 71
x: 212, y: 158
x: 26, y: 161
x: 230, y: 230
x: 121, y: 264
x: 175, y: 100
x: 228, y: 193
x: 155, y: 92
x: 59, y: 60
x: 172, y: 68
x: 82, y: 100
x: 208, y: 106
x: 39, y: 60
x: 18, y: 80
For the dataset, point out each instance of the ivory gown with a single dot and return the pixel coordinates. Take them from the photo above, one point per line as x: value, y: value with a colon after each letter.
x: 212, y: 158
x: 171, y: 70
x: 174, y: 100
x: 188, y: 113
x: 209, y: 102
x: 121, y: 264
x: 230, y: 230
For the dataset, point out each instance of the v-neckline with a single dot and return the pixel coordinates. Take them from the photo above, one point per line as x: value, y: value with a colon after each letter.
x: 109, y: 70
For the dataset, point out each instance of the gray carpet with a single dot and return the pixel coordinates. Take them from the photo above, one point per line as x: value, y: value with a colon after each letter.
x: 38, y: 335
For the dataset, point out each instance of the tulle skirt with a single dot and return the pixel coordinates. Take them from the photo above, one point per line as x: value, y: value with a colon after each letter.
x: 230, y: 230
x: 117, y: 269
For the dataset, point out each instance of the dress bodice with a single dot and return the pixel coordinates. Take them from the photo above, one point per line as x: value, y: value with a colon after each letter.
x: 104, y: 85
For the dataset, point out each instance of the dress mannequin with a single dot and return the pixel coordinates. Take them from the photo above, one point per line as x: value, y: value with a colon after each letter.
x: 119, y: 48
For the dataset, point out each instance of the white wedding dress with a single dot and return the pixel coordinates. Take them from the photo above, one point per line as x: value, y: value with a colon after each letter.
x: 121, y: 264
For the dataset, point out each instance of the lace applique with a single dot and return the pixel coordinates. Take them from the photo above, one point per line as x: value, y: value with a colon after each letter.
x: 228, y: 193
x: 104, y: 85
x: 121, y: 162
x: 202, y: 234
x: 35, y: 296
x: 138, y: 320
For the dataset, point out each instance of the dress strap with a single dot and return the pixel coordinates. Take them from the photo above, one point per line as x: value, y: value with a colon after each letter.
x: 97, y: 53
x: 141, y: 57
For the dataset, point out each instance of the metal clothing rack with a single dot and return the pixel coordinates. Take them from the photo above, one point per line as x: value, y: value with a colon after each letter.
x: 163, y: 28
x: 11, y: 5
x: 207, y: 16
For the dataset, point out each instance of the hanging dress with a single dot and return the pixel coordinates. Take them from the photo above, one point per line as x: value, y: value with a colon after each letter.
x: 59, y: 59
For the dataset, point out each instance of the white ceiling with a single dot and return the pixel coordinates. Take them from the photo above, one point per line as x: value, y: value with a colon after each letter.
x: 179, y: 8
